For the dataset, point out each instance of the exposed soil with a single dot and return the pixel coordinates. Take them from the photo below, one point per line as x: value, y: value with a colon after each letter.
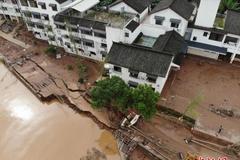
x: 218, y: 83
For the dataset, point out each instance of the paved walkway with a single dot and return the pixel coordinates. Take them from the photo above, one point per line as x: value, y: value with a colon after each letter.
x: 13, y: 40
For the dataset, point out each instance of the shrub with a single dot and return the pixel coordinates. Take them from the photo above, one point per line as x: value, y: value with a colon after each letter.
x: 51, y: 51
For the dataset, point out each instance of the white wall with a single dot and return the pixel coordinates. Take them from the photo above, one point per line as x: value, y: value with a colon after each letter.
x: 202, y: 39
x: 118, y: 8
x: 153, y: 30
x: 114, y: 34
x: 168, y: 14
x: 207, y: 12
x: 142, y: 78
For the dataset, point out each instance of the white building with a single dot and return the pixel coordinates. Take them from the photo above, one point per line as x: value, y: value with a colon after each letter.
x: 144, y: 64
x: 169, y: 15
x: 139, y: 65
x: 215, y: 35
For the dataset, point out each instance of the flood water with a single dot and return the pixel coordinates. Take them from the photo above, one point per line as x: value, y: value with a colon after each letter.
x: 31, y: 130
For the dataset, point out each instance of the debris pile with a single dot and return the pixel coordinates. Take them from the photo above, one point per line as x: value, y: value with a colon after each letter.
x: 233, y: 149
x: 223, y: 112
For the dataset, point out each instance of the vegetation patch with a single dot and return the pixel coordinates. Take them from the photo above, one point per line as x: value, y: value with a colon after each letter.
x: 51, y: 51
x: 114, y: 92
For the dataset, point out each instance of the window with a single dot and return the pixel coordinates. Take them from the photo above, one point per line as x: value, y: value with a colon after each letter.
x: 17, y: 10
x: 126, y: 34
x: 24, y: 2
x: 231, y: 40
x: 73, y: 29
x: 39, y: 26
x: 53, y: 6
x: 117, y: 69
x: 151, y: 78
x: 43, y: 5
x: 33, y: 3
x: 4, y: 8
x: 133, y: 74
x: 101, y: 35
x: 216, y: 37
x: 76, y: 40
x: 93, y: 53
x: 45, y: 17
x: 36, y: 15
x: 205, y: 34
x: 30, y: 24
x: 194, y: 38
x: 159, y: 22
x: 14, y: 1
x: 88, y: 43
x: 103, y: 45
x: 174, y: 24
x: 51, y: 38
x: 28, y: 14
x: 61, y: 27
x: 66, y: 36
x: 88, y: 32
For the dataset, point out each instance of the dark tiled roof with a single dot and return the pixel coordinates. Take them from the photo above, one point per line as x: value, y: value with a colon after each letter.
x: 208, y: 47
x: 171, y: 42
x: 61, y: 1
x: 182, y: 7
x: 138, y: 5
x: 232, y: 23
x: 139, y: 59
x: 132, y: 25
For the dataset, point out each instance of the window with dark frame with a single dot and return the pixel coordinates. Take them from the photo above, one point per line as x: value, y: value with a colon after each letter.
x: 158, y: 21
x: 117, y: 69
x: 194, y: 38
x: 174, y: 24
x: 53, y: 6
x: 43, y: 6
x: 24, y: 2
x: 36, y: 15
x: 133, y: 74
x: 89, y: 44
x: 33, y: 3
x: 216, y: 37
x: 205, y: 34
x: 103, y: 45
x: 151, y: 78
x: 126, y: 34
x: 101, y: 35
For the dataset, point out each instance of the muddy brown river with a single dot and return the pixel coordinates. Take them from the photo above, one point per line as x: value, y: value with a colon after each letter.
x: 31, y: 130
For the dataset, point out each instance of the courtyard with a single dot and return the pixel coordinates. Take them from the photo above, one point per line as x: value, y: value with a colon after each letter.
x: 211, y: 90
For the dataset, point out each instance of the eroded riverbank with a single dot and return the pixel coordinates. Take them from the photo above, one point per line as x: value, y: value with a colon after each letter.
x: 32, y: 130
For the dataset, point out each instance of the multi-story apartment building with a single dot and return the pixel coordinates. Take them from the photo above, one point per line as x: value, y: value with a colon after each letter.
x: 10, y: 9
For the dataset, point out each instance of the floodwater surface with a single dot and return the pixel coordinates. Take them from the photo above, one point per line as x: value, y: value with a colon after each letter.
x: 31, y: 130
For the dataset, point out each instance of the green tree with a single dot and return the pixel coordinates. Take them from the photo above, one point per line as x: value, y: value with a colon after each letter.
x: 145, y: 100
x: 229, y: 4
x: 111, y: 92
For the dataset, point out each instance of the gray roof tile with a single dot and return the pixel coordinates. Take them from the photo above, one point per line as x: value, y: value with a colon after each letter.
x: 182, y: 7
x: 140, y: 59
